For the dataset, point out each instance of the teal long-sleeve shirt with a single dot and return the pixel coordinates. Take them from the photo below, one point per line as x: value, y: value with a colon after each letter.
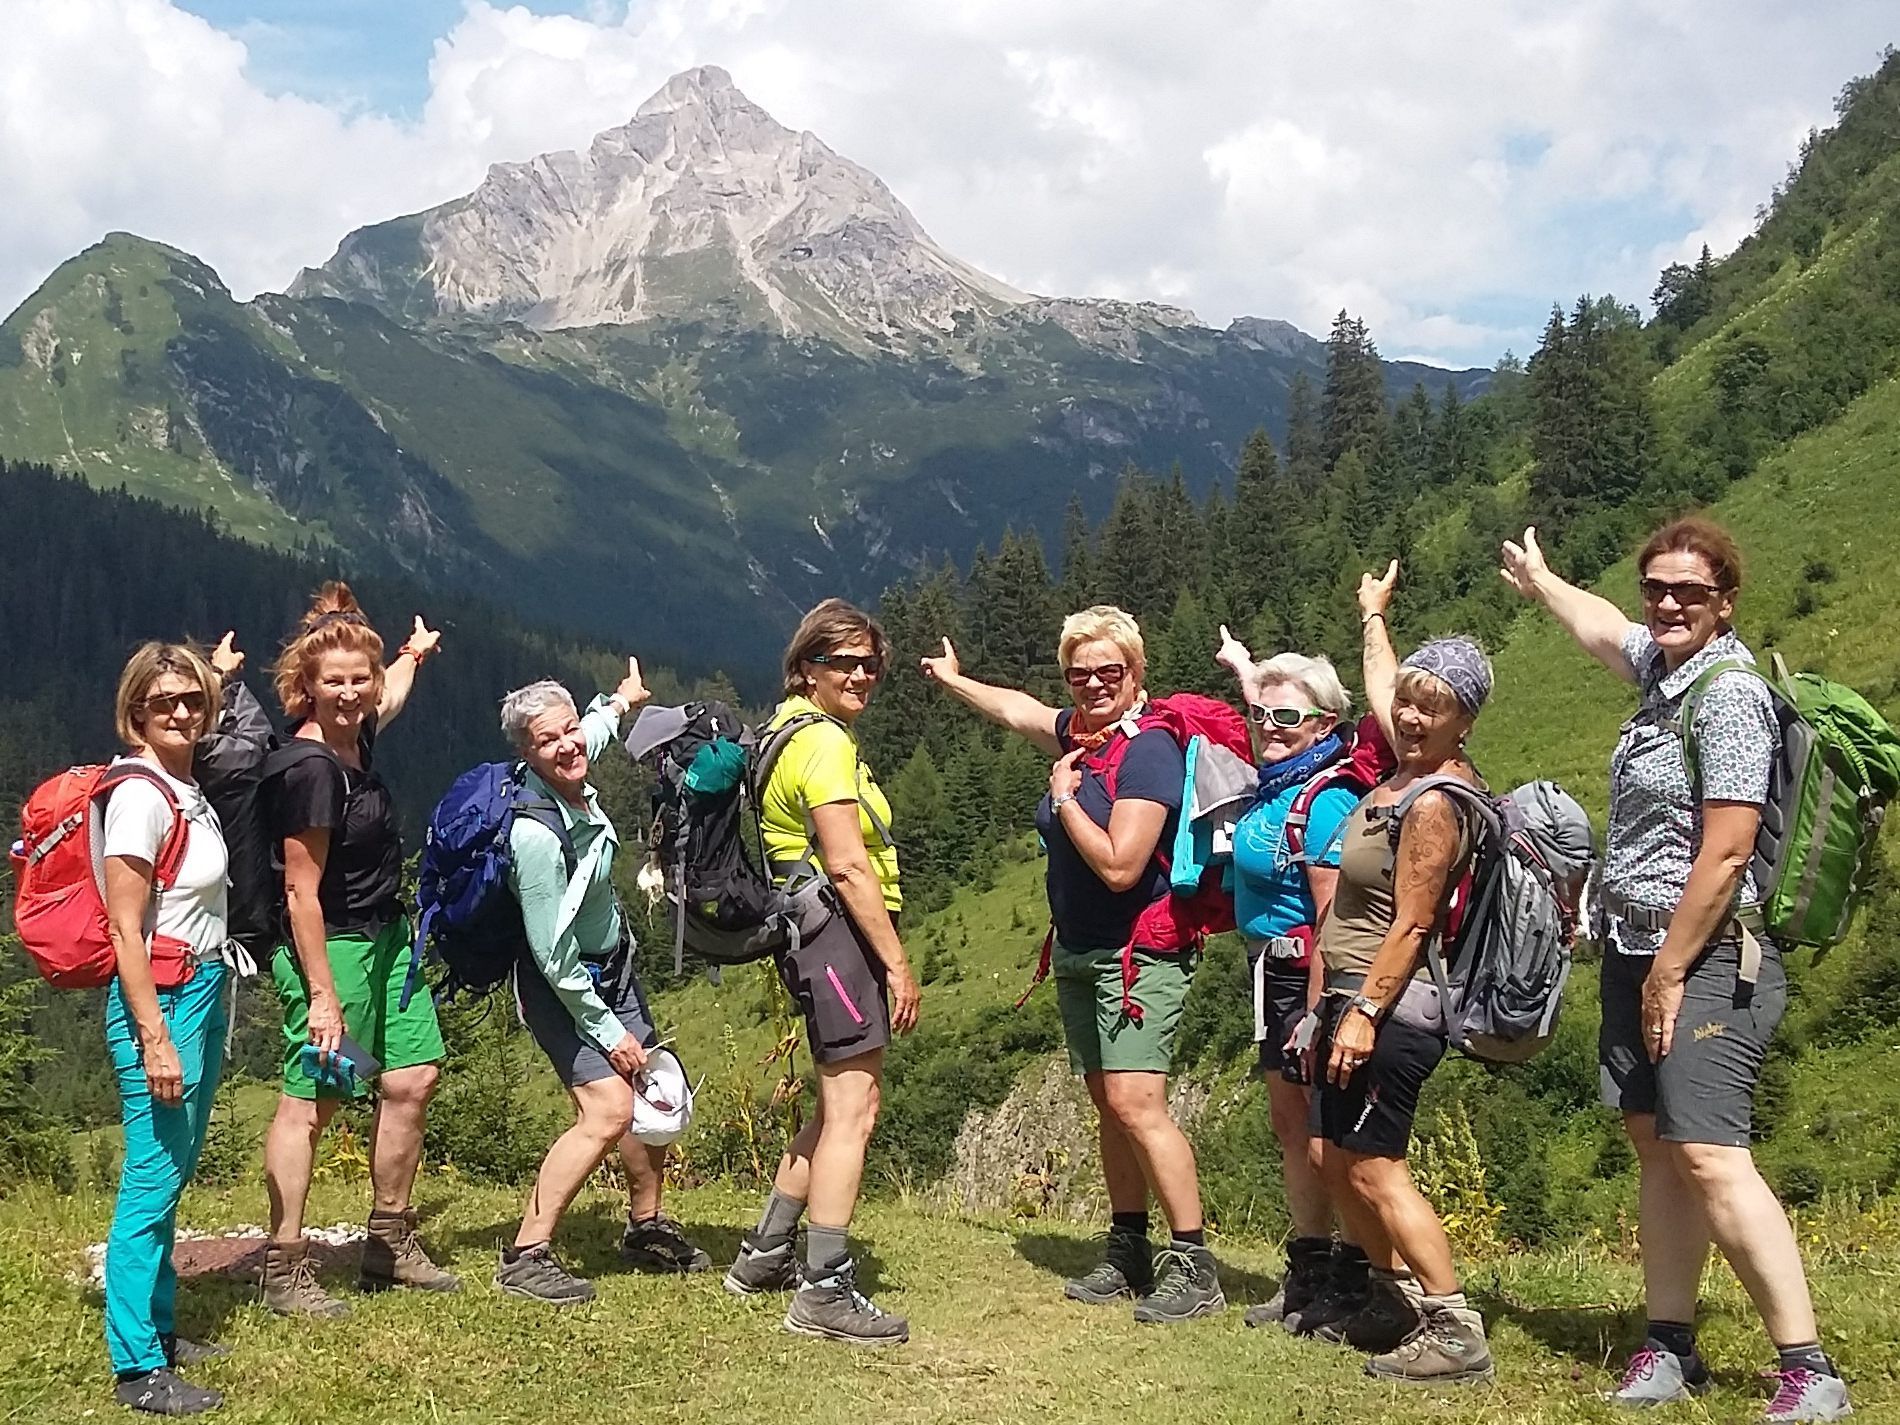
x: 564, y: 922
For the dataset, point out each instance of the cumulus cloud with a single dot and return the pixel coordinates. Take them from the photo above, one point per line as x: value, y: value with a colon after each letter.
x: 1445, y: 172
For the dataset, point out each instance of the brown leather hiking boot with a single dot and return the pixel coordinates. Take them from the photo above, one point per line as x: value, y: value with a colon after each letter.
x: 290, y: 1284
x: 393, y: 1256
x: 1450, y: 1349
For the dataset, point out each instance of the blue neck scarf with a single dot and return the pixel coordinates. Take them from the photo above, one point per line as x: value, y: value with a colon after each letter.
x: 1276, y: 777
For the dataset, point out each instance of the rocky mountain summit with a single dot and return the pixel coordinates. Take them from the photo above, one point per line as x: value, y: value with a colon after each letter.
x: 703, y: 201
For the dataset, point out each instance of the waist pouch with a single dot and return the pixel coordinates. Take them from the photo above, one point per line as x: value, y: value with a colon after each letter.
x: 1417, y: 1007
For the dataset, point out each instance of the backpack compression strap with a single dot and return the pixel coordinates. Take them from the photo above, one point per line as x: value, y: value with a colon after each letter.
x: 1473, y: 808
x: 171, y: 852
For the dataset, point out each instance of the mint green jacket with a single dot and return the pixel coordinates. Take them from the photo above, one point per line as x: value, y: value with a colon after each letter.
x: 565, y: 921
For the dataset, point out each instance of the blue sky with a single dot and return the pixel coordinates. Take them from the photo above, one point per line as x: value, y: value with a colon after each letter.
x: 1446, y: 172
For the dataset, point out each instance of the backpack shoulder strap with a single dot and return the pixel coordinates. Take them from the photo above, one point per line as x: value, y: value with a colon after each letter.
x: 1683, y: 723
x: 171, y: 852
x: 543, y: 812
x: 771, y: 746
x: 1471, y: 804
x: 1300, y: 815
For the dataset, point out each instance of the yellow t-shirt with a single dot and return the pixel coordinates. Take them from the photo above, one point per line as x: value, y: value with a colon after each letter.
x: 820, y: 765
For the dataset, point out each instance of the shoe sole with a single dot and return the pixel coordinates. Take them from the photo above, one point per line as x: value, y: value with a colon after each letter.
x: 800, y: 1328
x: 555, y: 1301
x: 368, y: 1285
x: 1474, y: 1376
x: 1095, y: 1298
x: 740, y: 1288
x: 1206, y: 1308
x: 654, y: 1268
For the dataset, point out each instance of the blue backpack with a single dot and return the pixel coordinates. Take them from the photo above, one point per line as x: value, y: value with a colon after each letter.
x: 468, y: 914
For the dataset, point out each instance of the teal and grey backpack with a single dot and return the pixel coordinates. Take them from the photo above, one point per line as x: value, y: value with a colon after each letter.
x: 1836, y: 769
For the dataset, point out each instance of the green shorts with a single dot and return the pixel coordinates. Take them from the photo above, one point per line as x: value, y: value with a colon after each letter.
x: 1100, y: 1034
x: 369, y: 976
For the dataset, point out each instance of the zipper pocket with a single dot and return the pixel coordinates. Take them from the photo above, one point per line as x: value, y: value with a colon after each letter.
x: 838, y: 985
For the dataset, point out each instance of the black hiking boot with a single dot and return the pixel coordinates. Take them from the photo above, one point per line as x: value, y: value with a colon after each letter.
x: 1126, y: 1269
x: 659, y: 1245
x: 160, y: 1392
x: 829, y: 1304
x: 762, y: 1266
x: 1340, y: 1296
x: 181, y: 1352
x: 1392, y: 1315
x: 1186, y: 1286
x: 536, y: 1275
x: 1306, y: 1262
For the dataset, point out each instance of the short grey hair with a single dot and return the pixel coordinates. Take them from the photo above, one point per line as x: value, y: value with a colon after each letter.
x: 524, y: 705
x: 1316, y: 677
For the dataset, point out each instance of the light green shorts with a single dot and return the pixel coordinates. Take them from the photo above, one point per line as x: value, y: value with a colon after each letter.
x: 1099, y: 1032
x: 369, y: 976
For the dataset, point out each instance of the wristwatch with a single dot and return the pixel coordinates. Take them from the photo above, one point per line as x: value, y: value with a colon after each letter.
x: 1056, y: 804
x: 1369, y: 1008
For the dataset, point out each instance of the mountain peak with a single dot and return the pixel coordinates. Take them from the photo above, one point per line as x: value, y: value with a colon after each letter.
x: 702, y: 206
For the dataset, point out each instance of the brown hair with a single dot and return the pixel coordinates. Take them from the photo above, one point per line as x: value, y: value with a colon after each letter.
x: 147, y: 663
x: 335, y: 624
x: 1695, y: 534
x: 825, y: 629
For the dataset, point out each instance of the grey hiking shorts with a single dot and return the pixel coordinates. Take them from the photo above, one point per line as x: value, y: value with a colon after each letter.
x: 1704, y: 1089
x: 578, y: 1060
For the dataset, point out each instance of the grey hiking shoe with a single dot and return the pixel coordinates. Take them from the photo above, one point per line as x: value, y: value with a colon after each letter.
x: 1186, y: 1286
x: 393, y: 1257
x: 1341, y: 1294
x: 181, y: 1352
x: 1126, y: 1269
x: 1392, y: 1315
x: 1306, y: 1263
x: 1808, y: 1395
x: 1656, y: 1375
x: 659, y: 1245
x: 160, y: 1392
x: 1450, y: 1350
x: 761, y: 1268
x: 536, y: 1275
x: 290, y: 1285
x: 830, y: 1305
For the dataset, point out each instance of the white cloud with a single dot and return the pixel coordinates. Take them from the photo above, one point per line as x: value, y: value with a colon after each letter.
x: 1446, y: 172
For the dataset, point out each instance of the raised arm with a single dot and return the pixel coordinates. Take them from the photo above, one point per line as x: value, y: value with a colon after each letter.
x: 1006, y: 707
x: 1598, y: 625
x: 1379, y: 665
x: 400, y: 676
x: 1234, y: 656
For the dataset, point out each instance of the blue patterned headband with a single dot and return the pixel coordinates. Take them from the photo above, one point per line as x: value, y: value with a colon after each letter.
x: 1460, y: 665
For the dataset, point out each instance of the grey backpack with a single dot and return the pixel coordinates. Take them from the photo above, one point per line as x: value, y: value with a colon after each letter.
x: 1500, y: 974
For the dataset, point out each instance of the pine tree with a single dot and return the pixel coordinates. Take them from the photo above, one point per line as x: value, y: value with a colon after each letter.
x: 1305, y: 449
x: 1079, y: 566
x: 1352, y: 410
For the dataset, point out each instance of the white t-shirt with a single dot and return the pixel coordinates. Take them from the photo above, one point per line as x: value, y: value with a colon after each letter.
x: 137, y: 821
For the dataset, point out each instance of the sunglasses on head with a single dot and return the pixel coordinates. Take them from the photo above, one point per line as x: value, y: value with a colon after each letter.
x: 868, y: 664
x: 193, y: 702
x: 1687, y: 593
x: 1110, y: 675
x: 1281, y: 717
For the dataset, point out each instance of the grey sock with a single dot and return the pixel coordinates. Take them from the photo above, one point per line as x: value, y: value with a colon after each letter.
x: 825, y: 1247
x: 780, y: 1218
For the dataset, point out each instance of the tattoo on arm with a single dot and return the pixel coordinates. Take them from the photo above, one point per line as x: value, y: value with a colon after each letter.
x: 1428, y: 848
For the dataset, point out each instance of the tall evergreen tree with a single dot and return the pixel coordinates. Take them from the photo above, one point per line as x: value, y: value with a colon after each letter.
x: 1305, y: 447
x: 1352, y: 410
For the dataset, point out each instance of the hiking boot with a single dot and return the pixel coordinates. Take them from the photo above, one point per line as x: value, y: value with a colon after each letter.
x: 1306, y: 1262
x: 658, y: 1245
x: 1658, y: 1376
x: 830, y: 1305
x: 536, y: 1275
x: 180, y: 1352
x: 1341, y: 1295
x: 1126, y: 1269
x: 160, y: 1392
x: 759, y: 1268
x: 1451, y: 1349
x: 1391, y: 1316
x: 1186, y: 1286
x: 1808, y: 1395
x: 290, y: 1285
x: 393, y: 1257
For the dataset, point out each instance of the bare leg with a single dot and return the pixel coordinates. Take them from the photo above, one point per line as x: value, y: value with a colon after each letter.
x: 290, y: 1154
x: 1748, y: 1223
x: 793, y: 1178
x: 1138, y: 1101
x: 849, y: 1093
x: 395, y: 1135
x: 1359, y: 1221
x: 1306, y: 1200
x: 1405, y: 1218
x: 1671, y: 1227
x: 1121, y: 1165
x: 646, y: 1177
x: 605, y: 1107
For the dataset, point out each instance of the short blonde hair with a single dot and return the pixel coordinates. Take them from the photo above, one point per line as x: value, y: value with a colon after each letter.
x: 150, y: 661
x: 1316, y: 677
x: 1105, y: 621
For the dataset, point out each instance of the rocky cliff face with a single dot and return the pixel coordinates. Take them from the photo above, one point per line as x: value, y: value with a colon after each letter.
x: 702, y: 204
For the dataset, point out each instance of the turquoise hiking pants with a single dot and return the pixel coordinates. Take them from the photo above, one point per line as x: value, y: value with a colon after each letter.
x: 162, y: 1143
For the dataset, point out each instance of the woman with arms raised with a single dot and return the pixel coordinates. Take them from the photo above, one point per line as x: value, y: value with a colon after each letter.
x: 345, y: 969
x: 1686, y: 1024
x: 1102, y: 828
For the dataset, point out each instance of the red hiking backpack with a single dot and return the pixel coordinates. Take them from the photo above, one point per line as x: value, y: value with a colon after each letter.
x: 59, y: 907
x: 1173, y: 923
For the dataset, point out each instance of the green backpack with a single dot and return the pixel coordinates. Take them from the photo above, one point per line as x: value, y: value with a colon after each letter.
x: 1836, y: 769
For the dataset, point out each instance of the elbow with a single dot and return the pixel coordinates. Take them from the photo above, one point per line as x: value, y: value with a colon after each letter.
x: 850, y: 875
x: 1119, y: 878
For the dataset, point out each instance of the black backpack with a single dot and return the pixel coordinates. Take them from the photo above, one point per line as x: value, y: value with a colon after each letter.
x: 707, y: 842
x: 229, y: 765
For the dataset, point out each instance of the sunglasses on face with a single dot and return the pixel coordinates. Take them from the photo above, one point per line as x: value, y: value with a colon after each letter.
x: 1688, y: 593
x: 848, y: 664
x: 1281, y: 717
x: 1109, y: 674
x: 192, y: 704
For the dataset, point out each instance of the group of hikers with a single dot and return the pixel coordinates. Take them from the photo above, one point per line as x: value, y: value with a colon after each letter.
x: 1343, y: 868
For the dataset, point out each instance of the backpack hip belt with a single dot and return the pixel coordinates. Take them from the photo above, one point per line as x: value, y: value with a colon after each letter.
x: 1746, y: 923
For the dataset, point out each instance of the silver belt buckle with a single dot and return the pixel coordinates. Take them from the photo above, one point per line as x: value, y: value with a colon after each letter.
x: 1285, y: 947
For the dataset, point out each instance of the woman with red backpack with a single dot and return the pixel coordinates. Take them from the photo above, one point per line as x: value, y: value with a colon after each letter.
x: 1114, y: 801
